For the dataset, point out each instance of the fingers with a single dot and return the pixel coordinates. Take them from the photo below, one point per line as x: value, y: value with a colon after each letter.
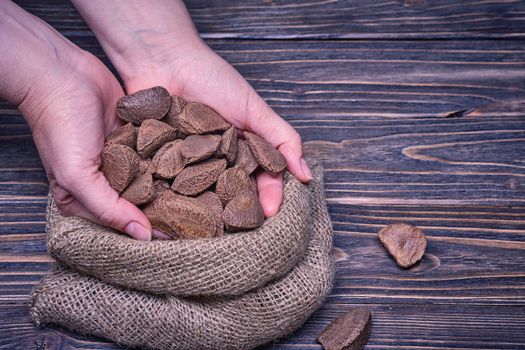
x: 267, y: 124
x: 292, y: 149
x: 98, y: 202
x: 160, y: 235
x: 68, y: 205
x: 270, y: 190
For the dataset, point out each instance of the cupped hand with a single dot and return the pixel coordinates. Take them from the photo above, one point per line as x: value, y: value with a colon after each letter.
x: 159, y: 45
x: 71, y: 111
x: 199, y: 74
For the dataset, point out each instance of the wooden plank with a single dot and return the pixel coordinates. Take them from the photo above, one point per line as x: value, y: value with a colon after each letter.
x: 443, y: 162
x: 374, y: 113
x: 475, y: 255
x: 381, y: 79
x: 413, y: 161
x: 362, y: 19
x: 404, y: 326
x: 363, y: 79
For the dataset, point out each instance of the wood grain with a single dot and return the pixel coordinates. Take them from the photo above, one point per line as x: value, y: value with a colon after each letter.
x: 403, y: 326
x: 330, y: 19
x: 377, y: 79
x: 460, y: 179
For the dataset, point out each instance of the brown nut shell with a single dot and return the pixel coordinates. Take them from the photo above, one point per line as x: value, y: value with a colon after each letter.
x: 212, y: 201
x: 120, y: 164
x: 125, y: 135
x: 243, y: 212
x: 269, y: 158
x: 140, y: 190
x: 406, y: 243
x: 194, y: 179
x: 145, y: 165
x: 232, y: 182
x: 152, y: 135
x: 181, y: 216
x: 151, y: 103
x: 177, y: 105
x: 244, y: 157
x: 196, y: 118
x: 349, y: 331
x: 168, y: 160
x: 161, y: 186
x: 199, y: 147
x: 228, y: 146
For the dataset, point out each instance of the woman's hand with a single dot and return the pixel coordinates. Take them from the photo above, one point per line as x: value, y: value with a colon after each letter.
x: 161, y: 47
x: 68, y: 98
x: 70, y: 118
x: 201, y: 75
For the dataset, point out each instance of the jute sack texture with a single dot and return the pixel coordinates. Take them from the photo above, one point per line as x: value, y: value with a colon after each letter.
x: 230, y: 265
x: 234, y: 292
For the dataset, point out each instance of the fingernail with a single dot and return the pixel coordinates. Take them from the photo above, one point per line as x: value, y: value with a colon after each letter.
x: 270, y: 210
x: 137, y: 231
x: 306, y: 169
x: 160, y: 235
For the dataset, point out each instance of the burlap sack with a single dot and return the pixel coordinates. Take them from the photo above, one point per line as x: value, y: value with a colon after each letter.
x: 166, y: 321
x: 229, y: 265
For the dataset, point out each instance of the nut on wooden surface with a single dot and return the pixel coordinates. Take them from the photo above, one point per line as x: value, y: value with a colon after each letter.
x: 349, y: 331
x: 406, y: 243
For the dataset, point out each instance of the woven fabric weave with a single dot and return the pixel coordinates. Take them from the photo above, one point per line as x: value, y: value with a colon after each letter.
x: 228, y: 265
x: 234, y: 315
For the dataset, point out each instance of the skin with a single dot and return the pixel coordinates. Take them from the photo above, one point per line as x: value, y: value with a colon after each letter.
x: 69, y: 98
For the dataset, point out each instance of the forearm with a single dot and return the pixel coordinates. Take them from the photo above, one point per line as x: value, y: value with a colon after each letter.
x: 32, y: 53
x: 137, y: 35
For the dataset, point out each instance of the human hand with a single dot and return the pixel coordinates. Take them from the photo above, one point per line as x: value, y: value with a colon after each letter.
x: 68, y: 98
x: 161, y: 47
x: 70, y: 118
x: 201, y: 75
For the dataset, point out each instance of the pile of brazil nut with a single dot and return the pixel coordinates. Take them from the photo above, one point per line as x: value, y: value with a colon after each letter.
x: 189, y: 170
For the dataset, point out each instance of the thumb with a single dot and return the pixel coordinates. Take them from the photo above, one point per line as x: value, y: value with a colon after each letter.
x: 267, y: 124
x: 94, y: 193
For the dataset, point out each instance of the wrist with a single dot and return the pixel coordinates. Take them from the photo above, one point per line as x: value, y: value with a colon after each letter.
x: 33, y: 54
x: 159, y: 66
x: 158, y: 62
x: 142, y: 43
x: 55, y: 77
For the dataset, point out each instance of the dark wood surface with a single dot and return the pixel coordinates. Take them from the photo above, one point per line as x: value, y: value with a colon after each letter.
x: 409, y: 128
x: 356, y: 19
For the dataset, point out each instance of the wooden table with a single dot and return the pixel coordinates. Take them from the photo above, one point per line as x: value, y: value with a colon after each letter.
x: 371, y: 87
